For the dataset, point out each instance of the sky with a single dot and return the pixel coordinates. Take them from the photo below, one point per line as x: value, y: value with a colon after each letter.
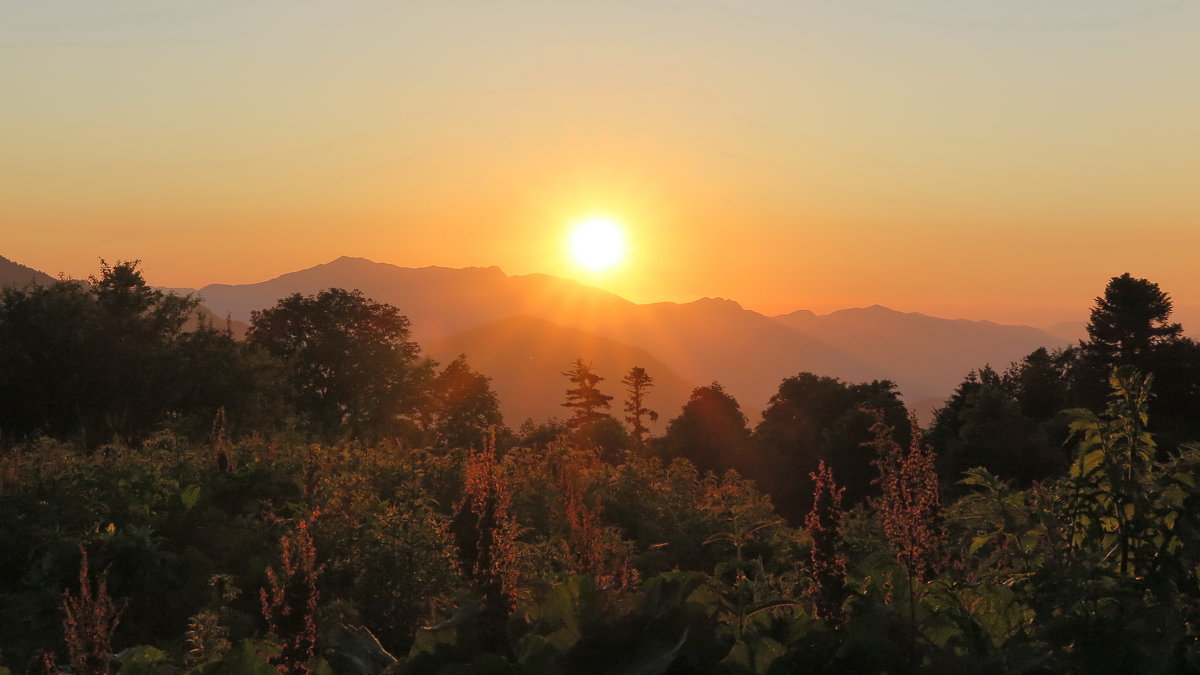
x: 988, y: 160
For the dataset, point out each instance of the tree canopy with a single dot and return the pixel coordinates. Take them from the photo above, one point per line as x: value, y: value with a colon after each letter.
x: 637, y: 381
x: 711, y: 431
x: 588, y: 424
x: 354, y: 367
x: 460, y: 406
x: 111, y: 357
x: 813, y: 418
x: 1130, y: 319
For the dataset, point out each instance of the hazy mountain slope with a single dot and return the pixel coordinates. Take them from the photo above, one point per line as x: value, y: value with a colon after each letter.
x: 17, y: 275
x: 438, y: 300
x: 701, y: 341
x: 748, y: 353
x: 927, y: 356
x: 1069, y: 331
x: 526, y: 356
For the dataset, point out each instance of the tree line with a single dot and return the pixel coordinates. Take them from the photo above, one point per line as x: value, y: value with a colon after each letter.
x: 112, y: 358
x: 321, y: 498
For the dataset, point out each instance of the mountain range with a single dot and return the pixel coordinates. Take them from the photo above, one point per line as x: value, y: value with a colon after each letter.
x: 494, y: 318
x: 524, y: 330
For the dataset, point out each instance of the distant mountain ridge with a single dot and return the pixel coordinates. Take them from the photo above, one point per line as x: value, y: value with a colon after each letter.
x: 923, y: 353
x: 701, y: 341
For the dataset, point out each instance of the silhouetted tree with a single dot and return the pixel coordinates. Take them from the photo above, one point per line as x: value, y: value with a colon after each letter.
x: 1010, y: 424
x: 712, y: 432
x: 353, y: 366
x: 1039, y: 382
x: 1130, y: 319
x: 588, y: 424
x: 460, y: 406
x: 1175, y: 407
x: 533, y: 434
x: 637, y: 382
x: 1131, y: 325
x: 813, y: 418
x: 983, y: 423
x: 210, y: 370
x: 110, y: 356
x: 584, y: 400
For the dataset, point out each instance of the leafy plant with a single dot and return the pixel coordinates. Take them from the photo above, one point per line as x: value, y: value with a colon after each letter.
x: 91, y: 619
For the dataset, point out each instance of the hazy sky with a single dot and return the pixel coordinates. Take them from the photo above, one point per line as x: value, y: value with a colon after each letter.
x: 996, y: 159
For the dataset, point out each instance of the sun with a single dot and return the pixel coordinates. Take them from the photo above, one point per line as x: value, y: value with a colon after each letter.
x: 597, y: 243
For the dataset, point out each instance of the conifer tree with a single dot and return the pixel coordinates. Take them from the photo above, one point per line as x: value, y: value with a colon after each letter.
x: 584, y: 399
x: 1130, y: 319
x: 636, y: 383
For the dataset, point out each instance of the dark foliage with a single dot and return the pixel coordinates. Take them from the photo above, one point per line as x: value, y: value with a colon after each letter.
x: 459, y: 407
x: 588, y: 423
x: 637, y: 382
x: 485, y: 533
x: 542, y: 558
x: 110, y: 357
x: 354, y: 369
x: 711, y: 432
x: 91, y: 618
x: 1129, y: 320
x: 826, y: 565
x: 813, y: 419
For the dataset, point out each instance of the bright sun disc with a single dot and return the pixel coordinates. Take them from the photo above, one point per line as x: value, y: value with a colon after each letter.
x: 597, y: 244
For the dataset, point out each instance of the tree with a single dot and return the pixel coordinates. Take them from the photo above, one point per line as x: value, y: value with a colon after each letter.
x: 460, y: 406
x: 813, y: 418
x: 712, y: 432
x: 1039, y: 382
x: 586, y: 402
x: 353, y: 366
x: 1130, y: 325
x: 637, y: 381
x: 128, y: 346
x: 110, y: 356
x: 1129, y: 320
x: 1003, y: 423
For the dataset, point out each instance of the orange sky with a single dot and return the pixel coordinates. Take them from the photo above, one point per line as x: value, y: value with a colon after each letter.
x: 993, y: 162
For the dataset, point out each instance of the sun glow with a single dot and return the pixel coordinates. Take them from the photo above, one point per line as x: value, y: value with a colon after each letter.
x: 597, y: 244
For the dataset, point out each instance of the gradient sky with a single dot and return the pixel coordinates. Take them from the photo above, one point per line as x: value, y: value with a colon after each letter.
x: 964, y: 158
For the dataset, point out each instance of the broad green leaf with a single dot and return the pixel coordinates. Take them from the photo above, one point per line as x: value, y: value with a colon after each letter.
x: 190, y: 496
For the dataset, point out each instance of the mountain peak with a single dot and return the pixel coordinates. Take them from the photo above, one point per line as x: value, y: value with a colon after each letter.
x: 349, y: 260
x: 723, y: 303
